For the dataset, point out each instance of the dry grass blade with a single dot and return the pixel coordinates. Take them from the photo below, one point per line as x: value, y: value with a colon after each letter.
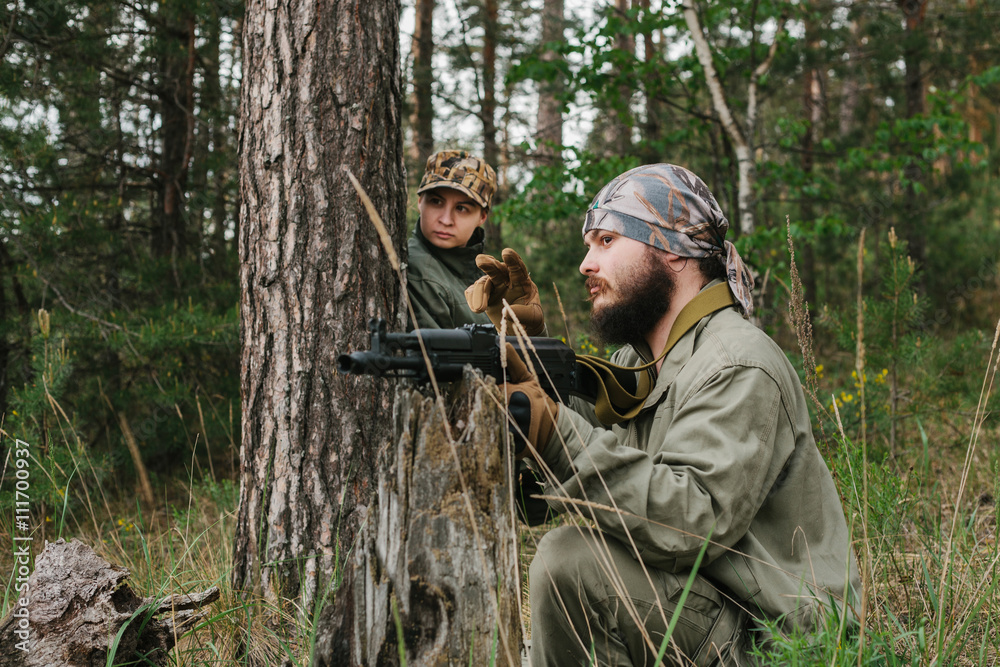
x: 866, y: 560
x: 377, y: 221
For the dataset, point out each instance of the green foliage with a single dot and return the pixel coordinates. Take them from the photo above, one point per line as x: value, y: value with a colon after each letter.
x: 835, y: 644
x: 910, y: 373
x: 148, y: 327
x: 34, y: 417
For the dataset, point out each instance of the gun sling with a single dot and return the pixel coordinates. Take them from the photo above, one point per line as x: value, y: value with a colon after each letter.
x: 615, y: 403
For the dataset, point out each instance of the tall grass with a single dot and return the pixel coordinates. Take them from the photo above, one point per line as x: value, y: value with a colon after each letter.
x: 929, y: 553
x: 182, y: 546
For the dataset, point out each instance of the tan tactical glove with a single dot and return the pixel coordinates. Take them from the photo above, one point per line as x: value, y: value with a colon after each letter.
x: 531, y: 412
x: 506, y: 280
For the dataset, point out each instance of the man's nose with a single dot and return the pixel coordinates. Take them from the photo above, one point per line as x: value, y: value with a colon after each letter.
x: 447, y: 216
x: 588, y: 265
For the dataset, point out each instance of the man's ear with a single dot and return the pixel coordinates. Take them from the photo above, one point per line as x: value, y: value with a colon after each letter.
x: 482, y: 216
x: 675, y: 262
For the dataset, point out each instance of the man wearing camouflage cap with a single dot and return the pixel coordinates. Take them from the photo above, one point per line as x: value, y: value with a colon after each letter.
x: 454, y: 199
x: 714, y: 469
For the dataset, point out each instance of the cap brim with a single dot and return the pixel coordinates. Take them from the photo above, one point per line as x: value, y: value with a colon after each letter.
x: 454, y: 186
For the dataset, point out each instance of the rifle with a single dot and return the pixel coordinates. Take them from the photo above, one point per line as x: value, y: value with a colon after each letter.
x: 398, y: 355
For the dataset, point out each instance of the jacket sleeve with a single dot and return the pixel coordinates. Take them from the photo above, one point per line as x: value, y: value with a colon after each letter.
x: 429, y: 304
x: 705, y: 472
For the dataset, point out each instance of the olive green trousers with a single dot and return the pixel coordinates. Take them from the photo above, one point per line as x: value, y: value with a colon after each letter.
x: 592, y: 603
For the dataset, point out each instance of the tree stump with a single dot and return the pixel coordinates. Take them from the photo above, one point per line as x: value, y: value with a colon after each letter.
x: 435, y: 565
x: 79, y: 608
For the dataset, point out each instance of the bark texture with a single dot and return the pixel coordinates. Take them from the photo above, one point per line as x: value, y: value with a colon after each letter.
x: 320, y: 96
x: 488, y: 112
x: 80, y: 611
x: 422, y: 104
x: 440, y: 549
x: 549, y: 119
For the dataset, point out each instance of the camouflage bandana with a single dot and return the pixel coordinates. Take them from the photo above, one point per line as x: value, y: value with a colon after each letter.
x: 670, y: 208
x: 460, y: 171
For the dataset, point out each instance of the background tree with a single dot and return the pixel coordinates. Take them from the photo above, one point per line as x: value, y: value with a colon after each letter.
x: 551, y: 85
x: 488, y: 108
x: 422, y: 96
x: 312, y: 273
x: 742, y: 137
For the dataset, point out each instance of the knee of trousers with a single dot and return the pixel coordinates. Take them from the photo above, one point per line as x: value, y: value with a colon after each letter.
x: 565, y: 561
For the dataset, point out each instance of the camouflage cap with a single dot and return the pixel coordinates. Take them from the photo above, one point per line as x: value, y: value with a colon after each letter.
x: 670, y: 208
x: 460, y: 171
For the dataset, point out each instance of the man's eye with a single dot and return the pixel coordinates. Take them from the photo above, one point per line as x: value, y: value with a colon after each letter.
x: 607, y: 239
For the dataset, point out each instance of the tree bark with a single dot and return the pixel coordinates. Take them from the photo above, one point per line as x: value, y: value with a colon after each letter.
x: 914, y: 48
x: 321, y: 96
x: 422, y: 118
x: 812, y: 108
x: 651, y: 126
x: 437, y: 561
x: 618, y: 133
x: 549, y: 120
x: 491, y: 150
x: 851, y: 86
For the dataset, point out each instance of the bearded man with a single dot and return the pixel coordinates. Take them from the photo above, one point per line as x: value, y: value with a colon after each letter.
x: 711, y: 490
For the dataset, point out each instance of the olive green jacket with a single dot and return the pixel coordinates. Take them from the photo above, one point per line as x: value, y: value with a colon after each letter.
x: 724, y: 446
x: 437, y: 278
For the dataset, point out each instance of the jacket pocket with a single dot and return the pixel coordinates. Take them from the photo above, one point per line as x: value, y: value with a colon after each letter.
x: 733, y: 570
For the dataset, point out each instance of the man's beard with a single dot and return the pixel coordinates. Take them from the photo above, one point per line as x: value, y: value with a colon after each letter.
x: 640, y: 301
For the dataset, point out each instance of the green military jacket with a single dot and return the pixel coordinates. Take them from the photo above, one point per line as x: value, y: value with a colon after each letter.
x: 437, y: 278
x: 724, y: 446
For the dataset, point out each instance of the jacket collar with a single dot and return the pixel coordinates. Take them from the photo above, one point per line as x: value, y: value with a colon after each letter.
x: 675, y: 359
x: 462, y: 260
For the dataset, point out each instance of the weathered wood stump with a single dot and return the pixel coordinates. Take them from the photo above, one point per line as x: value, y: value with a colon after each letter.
x: 79, y: 607
x: 436, y: 562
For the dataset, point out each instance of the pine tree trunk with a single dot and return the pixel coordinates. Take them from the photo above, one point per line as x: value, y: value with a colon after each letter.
x: 176, y: 96
x: 651, y: 129
x: 422, y: 117
x: 436, y: 563
x: 491, y: 150
x: 618, y: 134
x: 914, y: 49
x: 549, y: 120
x: 851, y: 87
x: 320, y: 97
